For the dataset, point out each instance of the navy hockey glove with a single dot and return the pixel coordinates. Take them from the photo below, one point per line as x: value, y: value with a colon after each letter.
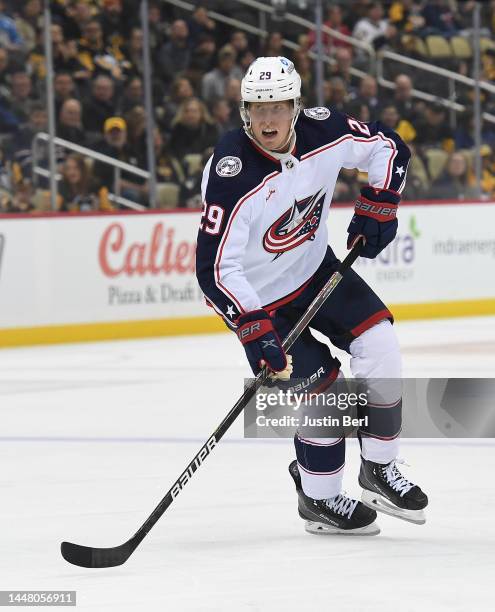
x: 374, y: 218
x: 261, y: 342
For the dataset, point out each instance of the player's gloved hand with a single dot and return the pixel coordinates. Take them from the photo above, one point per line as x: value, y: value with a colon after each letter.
x: 261, y: 342
x: 375, y: 219
x: 283, y: 374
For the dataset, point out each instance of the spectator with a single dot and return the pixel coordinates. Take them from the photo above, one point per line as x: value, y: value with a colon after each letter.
x: 233, y: 97
x: 304, y: 67
x: 175, y: 55
x: 95, y: 56
x: 133, y: 95
x: 9, y: 122
x: 20, y: 147
x: 335, y: 22
x: 70, y: 125
x: 464, y: 133
x: 439, y: 18
x: 21, y: 95
x: 433, y: 129
x: 78, y: 191
x: 190, y: 193
x: 65, y: 56
x: 77, y: 15
x: 200, y: 24
x: 327, y: 93
x: 9, y: 35
x: 114, y: 144
x: 21, y: 201
x: 29, y: 22
x: 366, y: 104
x: 355, y: 11
x: 136, y: 134
x: 403, y: 98
x: 202, y: 58
x: 342, y: 69
x: 338, y: 94
x: 5, y: 72
x: 274, y: 46
x: 245, y: 60
x: 454, y: 183
x: 157, y: 25
x: 193, y: 129
x: 115, y: 24
x: 100, y: 106
x: 347, y: 186
x: 488, y: 73
x: 91, y: 46
x: 405, y: 16
x: 222, y: 115
x: 168, y: 168
x: 487, y: 170
x: 374, y: 29
x: 133, y: 51
x: 213, y: 83
x: 391, y: 118
x: 180, y: 91
x: 64, y: 88
x: 239, y: 41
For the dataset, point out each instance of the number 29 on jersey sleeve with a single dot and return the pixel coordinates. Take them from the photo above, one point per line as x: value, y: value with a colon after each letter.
x: 212, y: 218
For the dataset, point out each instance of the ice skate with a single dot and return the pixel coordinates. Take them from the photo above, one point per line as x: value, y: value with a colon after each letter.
x: 339, y: 515
x: 387, y: 490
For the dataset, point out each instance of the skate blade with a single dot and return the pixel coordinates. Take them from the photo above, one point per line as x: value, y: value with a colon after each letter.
x: 378, y: 502
x: 324, y: 529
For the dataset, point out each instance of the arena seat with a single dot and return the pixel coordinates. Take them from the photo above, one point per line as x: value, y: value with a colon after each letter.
x: 167, y: 195
x: 436, y: 158
x: 461, y: 47
x: 438, y: 47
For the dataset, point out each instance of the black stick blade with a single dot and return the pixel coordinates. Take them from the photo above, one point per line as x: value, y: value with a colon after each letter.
x: 85, y: 556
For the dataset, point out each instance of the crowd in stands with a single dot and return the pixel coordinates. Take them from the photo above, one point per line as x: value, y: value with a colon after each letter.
x: 197, y: 66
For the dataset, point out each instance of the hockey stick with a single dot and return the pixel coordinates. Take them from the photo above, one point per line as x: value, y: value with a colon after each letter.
x: 86, y: 556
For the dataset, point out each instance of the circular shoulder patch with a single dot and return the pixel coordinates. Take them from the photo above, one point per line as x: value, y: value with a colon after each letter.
x: 229, y: 166
x: 317, y: 112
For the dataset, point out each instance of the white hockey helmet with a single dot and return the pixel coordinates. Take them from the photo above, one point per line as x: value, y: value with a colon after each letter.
x: 270, y: 79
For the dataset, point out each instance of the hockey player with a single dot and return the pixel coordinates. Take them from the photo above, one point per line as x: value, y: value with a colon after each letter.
x: 263, y: 254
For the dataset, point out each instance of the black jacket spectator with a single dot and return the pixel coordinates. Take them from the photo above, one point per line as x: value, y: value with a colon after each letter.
x: 433, y: 128
x: 100, y: 106
x: 193, y: 130
x: 175, y: 55
x: 70, y: 125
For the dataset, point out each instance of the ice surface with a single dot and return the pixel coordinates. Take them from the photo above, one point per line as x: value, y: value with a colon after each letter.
x: 92, y: 436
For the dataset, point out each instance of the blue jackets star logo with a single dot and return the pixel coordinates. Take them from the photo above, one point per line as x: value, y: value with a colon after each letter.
x: 298, y: 224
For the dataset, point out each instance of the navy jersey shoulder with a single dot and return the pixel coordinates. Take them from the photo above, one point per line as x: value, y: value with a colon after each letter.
x: 236, y: 168
x: 317, y: 127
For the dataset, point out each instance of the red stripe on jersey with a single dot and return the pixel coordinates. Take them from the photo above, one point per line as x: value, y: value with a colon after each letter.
x: 378, y: 316
x: 288, y: 298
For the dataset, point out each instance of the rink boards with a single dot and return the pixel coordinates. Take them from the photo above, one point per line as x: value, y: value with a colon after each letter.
x: 89, y: 277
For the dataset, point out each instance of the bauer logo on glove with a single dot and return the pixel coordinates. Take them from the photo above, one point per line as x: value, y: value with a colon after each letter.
x: 375, y: 219
x: 261, y: 342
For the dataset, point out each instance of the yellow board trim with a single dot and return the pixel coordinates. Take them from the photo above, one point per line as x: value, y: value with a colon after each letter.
x: 120, y: 330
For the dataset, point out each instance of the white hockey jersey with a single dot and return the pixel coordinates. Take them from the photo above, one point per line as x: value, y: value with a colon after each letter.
x: 263, y: 232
